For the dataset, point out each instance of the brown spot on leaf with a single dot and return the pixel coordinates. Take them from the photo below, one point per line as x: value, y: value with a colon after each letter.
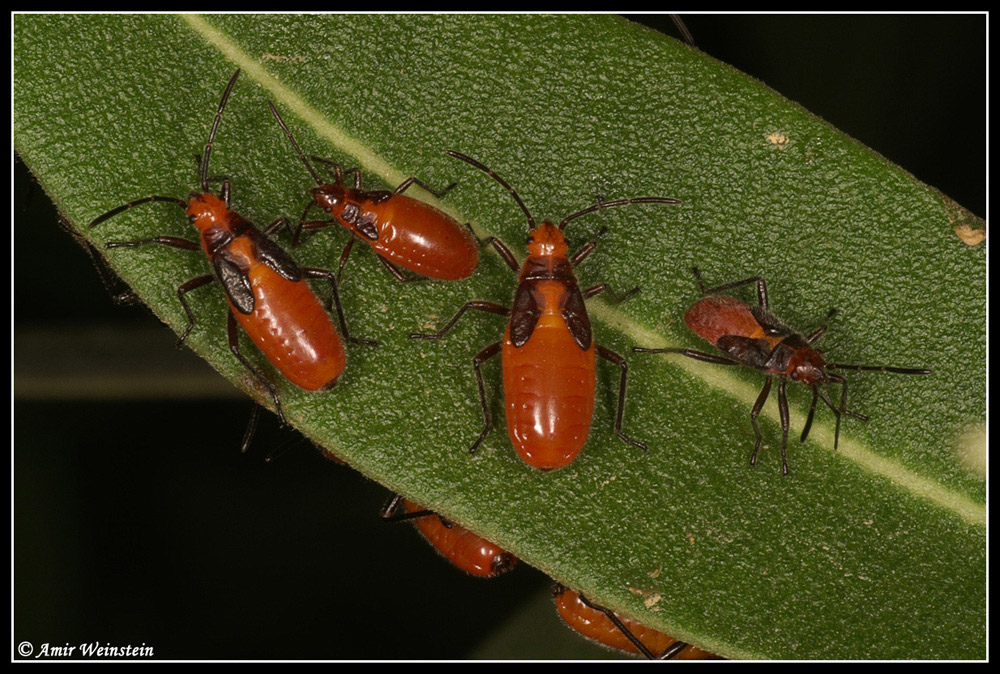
x: 777, y: 138
x: 970, y: 236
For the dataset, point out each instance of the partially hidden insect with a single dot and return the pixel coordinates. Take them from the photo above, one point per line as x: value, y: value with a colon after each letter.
x: 466, y: 550
x: 616, y: 631
x: 753, y: 336
x: 403, y: 231
x: 548, y: 351
x: 267, y: 291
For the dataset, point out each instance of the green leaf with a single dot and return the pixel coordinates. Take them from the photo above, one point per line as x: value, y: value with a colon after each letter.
x: 877, y: 550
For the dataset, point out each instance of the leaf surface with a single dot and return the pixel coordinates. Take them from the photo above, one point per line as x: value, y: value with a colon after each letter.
x: 877, y: 550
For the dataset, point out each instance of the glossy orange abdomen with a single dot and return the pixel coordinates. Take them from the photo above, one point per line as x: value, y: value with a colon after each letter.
x: 595, y: 625
x: 423, y: 239
x: 471, y: 553
x: 293, y: 330
x: 548, y: 388
x: 717, y: 315
x: 288, y: 323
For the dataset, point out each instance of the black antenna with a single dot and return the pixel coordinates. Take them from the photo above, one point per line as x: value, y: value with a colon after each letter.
x: 469, y: 160
x: 124, y: 207
x: 685, y: 33
x: 215, y: 127
x: 288, y: 133
x: 619, y: 202
x: 878, y: 368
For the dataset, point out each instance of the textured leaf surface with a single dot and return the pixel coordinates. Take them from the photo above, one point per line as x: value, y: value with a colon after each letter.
x: 875, y: 551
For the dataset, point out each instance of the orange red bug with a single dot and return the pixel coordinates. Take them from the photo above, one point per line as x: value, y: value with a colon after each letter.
x: 753, y: 336
x: 616, y: 631
x: 548, y: 351
x: 466, y: 550
x: 267, y: 291
x: 403, y: 231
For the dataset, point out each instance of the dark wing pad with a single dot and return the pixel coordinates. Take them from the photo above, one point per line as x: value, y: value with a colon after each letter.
x: 574, y: 312
x: 236, y: 281
x: 524, y: 315
x: 276, y: 258
x: 749, y: 351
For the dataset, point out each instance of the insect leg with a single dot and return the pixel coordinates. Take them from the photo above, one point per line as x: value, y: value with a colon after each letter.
x: 172, y: 241
x: 310, y: 225
x: 610, y: 355
x: 277, y: 225
x: 393, y: 510
x: 339, y: 173
x: 683, y: 29
x: 107, y: 278
x: 812, y: 412
x: 754, y: 413
x: 691, y: 353
x: 405, y: 185
x: 587, y: 249
x: 502, y: 250
x: 280, y: 450
x: 783, y: 413
x: 185, y: 288
x: 616, y: 621
x: 310, y: 272
x: 481, y: 357
x: 615, y: 297
x: 674, y: 650
x: 344, y: 256
x: 395, y: 271
x: 838, y: 411
x: 251, y: 428
x: 234, y: 346
x: 818, y: 332
x: 481, y: 306
x: 761, y: 287
x: 842, y: 409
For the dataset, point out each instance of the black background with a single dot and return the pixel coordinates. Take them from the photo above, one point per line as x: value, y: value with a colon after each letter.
x: 141, y: 523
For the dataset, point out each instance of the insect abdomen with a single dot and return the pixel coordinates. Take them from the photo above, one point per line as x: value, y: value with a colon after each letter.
x: 471, y: 553
x: 716, y: 315
x: 291, y: 327
x: 425, y: 240
x: 595, y: 625
x: 549, y: 394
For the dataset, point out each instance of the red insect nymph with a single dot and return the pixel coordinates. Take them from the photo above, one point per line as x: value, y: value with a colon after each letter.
x: 752, y: 336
